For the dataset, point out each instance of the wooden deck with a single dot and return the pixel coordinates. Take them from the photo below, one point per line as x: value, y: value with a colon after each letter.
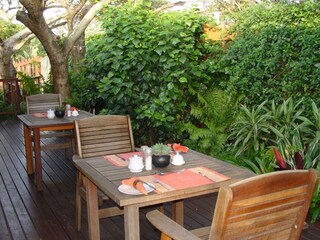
x: 28, y: 214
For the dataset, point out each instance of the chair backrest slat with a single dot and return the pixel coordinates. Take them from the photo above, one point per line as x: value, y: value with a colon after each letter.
x: 41, y: 103
x: 104, y: 135
x: 272, y: 206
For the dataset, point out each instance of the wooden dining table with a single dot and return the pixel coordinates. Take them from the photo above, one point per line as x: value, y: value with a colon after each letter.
x: 102, y: 174
x: 33, y: 125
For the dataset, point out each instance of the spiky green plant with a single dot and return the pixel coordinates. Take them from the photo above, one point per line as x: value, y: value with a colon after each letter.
x: 265, y: 163
x: 250, y: 131
x: 296, y: 134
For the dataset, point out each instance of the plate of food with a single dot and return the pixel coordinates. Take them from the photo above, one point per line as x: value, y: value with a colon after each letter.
x: 132, y: 191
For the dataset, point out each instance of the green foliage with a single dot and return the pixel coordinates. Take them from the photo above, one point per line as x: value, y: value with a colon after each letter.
x: 315, y: 204
x: 28, y: 84
x: 8, y: 29
x: 5, y: 108
x: 265, y: 163
x: 213, y: 114
x: 291, y: 130
x: 48, y: 86
x: 160, y: 149
x: 312, y: 153
x: 282, y: 126
x: 59, y: 108
x: 275, y: 54
x: 147, y: 65
x: 249, y: 132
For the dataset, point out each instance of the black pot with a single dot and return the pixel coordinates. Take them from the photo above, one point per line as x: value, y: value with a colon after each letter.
x: 161, y: 161
x: 59, y: 113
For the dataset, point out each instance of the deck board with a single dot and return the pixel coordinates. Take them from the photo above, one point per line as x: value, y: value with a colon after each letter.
x: 50, y: 214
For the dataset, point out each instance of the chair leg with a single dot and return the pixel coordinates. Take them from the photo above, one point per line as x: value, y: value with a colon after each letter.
x: 78, y: 201
x: 161, y: 208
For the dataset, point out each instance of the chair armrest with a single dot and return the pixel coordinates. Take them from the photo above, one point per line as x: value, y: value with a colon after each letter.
x: 76, y: 157
x: 169, y: 227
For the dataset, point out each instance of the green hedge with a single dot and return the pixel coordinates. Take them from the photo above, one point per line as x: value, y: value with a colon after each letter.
x: 275, y: 54
x: 148, y: 65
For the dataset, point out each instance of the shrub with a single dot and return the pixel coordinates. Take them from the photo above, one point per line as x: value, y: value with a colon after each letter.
x: 149, y: 66
x: 275, y: 53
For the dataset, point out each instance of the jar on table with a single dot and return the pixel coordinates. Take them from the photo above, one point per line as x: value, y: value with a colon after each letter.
x: 148, y: 155
x: 68, y: 110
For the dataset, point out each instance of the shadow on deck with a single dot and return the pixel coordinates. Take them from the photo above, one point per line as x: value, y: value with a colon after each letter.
x: 28, y: 214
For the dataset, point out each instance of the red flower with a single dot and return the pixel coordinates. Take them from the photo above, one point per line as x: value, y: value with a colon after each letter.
x: 299, y: 160
x: 279, y: 158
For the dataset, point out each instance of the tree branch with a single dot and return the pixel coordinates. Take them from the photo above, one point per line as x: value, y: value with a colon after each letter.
x: 169, y: 5
x: 80, y: 28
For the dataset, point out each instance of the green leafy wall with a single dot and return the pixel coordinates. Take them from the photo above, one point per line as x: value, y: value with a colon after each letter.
x: 147, y: 65
x: 275, y: 54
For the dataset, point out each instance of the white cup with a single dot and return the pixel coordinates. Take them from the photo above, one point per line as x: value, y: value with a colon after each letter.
x: 50, y: 114
x: 177, y: 159
x: 75, y: 113
x: 135, y: 164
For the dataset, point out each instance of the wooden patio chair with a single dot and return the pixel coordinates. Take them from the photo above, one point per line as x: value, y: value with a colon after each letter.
x: 41, y: 103
x: 268, y: 206
x: 99, y: 136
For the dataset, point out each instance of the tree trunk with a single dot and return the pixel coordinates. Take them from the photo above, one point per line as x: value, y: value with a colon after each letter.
x: 7, y: 70
x: 55, y: 46
x: 59, y: 68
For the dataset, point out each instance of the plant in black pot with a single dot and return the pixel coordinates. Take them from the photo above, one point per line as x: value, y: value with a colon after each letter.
x: 59, y: 111
x: 160, y: 157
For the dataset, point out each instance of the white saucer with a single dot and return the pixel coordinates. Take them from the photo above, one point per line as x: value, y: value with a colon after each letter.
x: 132, y: 191
x: 135, y: 170
x: 177, y: 163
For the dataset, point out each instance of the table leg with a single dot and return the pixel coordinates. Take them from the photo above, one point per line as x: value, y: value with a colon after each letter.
x: 37, y: 157
x: 177, y: 211
x: 131, y: 222
x: 28, y: 148
x: 92, y: 210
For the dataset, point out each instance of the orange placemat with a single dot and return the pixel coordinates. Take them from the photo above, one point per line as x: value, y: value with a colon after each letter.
x: 40, y: 114
x: 208, y: 173
x: 121, y: 160
x: 192, y: 177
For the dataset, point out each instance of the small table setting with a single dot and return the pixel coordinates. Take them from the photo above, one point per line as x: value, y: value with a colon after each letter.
x: 162, y: 180
x: 130, y: 182
x: 50, y: 120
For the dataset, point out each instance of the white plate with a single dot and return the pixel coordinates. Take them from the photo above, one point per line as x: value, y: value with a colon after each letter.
x: 132, y: 191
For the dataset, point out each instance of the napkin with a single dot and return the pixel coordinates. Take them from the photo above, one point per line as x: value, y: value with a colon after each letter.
x: 136, y: 183
x: 177, y: 147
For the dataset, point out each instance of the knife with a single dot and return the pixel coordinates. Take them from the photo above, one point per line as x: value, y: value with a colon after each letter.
x: 148, y: 184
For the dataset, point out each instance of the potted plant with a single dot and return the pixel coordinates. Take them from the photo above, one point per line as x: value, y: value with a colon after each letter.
x: 160, y: 155
x: 59, y: 111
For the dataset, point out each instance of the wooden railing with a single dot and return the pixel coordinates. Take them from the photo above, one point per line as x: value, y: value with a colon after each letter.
x: 11, y: 94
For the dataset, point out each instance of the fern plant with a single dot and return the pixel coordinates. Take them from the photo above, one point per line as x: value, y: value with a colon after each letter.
x: 213, y: 115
